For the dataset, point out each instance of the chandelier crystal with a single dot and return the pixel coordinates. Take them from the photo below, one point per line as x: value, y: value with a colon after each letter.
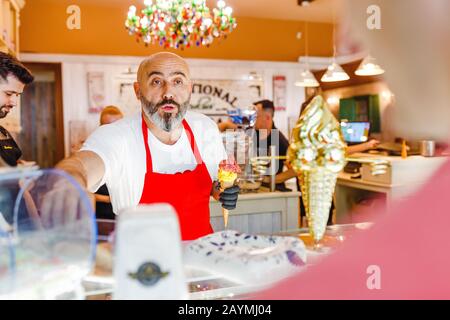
x: 180, y: 24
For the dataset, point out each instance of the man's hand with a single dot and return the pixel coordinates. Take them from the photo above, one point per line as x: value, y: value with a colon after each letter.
x: 102, y: 198
x: 61, y: 202
x: 372, y: 144
x: 229, y: 197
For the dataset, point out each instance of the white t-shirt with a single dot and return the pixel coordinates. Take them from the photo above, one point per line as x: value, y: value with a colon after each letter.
x: 121, y: 147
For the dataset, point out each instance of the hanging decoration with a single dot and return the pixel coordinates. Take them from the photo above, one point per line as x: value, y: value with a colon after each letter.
x: 180, y: 24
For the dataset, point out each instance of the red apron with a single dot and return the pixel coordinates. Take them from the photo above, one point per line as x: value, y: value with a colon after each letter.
x: 187, y: 192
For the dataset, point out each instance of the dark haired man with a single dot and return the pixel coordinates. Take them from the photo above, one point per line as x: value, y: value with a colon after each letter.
x: 13, y: 78
x: 267, y: 134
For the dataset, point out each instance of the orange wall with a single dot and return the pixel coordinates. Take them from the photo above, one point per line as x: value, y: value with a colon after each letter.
x: 43, y: 30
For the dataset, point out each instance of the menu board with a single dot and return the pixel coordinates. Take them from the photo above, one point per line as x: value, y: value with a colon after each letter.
x: 279, y: 92
x: 211, y: 97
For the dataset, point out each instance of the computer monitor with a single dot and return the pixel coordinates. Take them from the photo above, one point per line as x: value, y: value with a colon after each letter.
x: 355, y: 132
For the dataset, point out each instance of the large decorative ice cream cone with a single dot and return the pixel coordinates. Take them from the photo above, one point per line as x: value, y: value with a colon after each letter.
x: 317, y: 154
x: 317, y: 187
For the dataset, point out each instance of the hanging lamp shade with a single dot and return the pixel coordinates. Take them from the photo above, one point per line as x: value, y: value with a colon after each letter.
x: 369, y: 67
x: 335, y: 73
x: 306, y: 79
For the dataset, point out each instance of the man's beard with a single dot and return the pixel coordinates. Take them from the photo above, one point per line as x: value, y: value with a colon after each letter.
x: 3, y: 111
x: 168, y: 121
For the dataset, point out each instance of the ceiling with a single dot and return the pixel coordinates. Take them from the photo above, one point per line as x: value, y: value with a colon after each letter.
x: 318, y: 11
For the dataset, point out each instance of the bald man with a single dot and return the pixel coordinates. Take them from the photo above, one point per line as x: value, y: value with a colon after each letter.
x: 163, y: 154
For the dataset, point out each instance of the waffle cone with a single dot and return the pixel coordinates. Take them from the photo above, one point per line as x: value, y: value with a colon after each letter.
x: 225, y: 214
x: 317, y: 188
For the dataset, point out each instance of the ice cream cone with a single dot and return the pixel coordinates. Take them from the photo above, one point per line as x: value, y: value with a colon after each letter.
x: 227, y: 184
x: 225, y: 213
x: 227, y: 177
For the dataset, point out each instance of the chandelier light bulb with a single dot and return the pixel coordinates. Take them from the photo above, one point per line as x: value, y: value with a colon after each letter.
x: 131, y: 12
x: 221, y: 4
x: 161, y: 25
x: 207, y: 22
x: 144, y: 22
x: 228, y: 11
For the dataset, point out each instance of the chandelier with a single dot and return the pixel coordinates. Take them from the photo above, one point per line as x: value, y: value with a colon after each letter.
x: 180, y: 24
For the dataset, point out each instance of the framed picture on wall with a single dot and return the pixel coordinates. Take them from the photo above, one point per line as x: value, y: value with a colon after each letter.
x: 279, y: 92
x: 96, y: 91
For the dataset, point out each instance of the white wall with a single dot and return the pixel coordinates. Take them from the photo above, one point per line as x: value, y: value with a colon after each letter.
x: 75, y: 89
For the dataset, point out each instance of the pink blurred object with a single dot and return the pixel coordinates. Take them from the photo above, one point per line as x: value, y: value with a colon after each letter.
x: 405, y: 255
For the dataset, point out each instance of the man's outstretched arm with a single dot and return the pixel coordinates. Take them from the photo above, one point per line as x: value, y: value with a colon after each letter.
x: 86, y: 167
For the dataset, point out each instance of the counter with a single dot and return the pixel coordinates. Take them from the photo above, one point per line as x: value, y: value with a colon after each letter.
x: 260, y: 212
x: 403, y: 178
x: 203, y: 285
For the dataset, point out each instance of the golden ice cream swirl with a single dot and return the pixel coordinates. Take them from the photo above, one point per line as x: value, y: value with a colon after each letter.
x: 317, y: 140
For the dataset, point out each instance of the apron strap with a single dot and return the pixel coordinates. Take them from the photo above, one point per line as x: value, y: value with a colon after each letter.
x: 190, y: 137
x: 5, y: 132
x: 148, y: 155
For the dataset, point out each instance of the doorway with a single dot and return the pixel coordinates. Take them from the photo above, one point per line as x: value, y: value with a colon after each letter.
x: 42, y: 135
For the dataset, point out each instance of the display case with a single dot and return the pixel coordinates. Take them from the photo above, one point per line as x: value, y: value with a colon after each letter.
x: 47, y: 235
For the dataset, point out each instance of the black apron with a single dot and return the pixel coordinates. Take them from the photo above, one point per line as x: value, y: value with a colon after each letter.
x: 9, y: 150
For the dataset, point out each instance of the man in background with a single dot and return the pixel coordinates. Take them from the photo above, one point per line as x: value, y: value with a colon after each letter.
x: 13, y: 79
x: 267, y: 135
x: 103, y: 207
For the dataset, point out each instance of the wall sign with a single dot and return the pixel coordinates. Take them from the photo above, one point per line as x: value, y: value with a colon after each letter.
x: 216, y: 97
x: 279, y: 92
x: 96, y: 91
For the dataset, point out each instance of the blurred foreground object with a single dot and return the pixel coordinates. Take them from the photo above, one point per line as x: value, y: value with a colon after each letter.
x: 404, y: 255
x: 147, y: 261
x: 43, y: 256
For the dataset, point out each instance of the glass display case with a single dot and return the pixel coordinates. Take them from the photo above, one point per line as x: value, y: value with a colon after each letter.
x: 204, y: 285
x: 47, y: 235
